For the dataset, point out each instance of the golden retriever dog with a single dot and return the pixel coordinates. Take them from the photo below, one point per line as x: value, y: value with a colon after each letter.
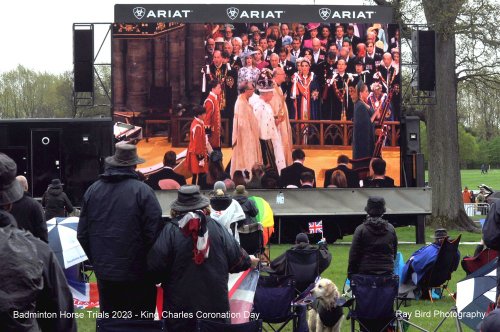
x: 325, y: 316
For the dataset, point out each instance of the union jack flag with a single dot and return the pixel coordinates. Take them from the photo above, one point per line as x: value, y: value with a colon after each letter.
x: 316, y: 227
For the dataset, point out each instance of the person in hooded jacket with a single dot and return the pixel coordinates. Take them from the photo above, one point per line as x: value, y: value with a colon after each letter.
x: 55, y: 201
x: 225, y: 210
x: 119, y: 222
x: 374, y: 243
x: 192, y: 258
x: 32, y: 282
x: 249, y: 208
x: 373, y: 251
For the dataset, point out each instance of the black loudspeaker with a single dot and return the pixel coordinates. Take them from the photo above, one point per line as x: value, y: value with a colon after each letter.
x: 83, y: 60
x: 424, y: 52
x: 412, y: 132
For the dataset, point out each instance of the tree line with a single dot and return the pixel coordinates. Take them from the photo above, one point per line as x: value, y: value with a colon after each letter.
x: 25, y: 93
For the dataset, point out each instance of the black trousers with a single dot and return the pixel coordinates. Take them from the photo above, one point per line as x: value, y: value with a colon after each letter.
x: 127, y: 299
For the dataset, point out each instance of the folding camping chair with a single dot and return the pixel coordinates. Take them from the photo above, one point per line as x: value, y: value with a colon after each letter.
x: 129, y: 325
x: 439, y: 274
x: 211, y: 326
x: 373, y: 306
x: 273, y: 301
x: 471, y: 264
x: 252, y: 238
x: 303, y: 265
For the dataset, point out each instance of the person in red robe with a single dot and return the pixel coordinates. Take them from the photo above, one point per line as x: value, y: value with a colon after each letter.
x: 197, y: 153
x: 212, y: 119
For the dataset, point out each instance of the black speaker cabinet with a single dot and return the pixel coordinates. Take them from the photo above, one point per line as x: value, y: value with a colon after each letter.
x: 412, y: 133
x: 83, y: 60
x: 424, y: 52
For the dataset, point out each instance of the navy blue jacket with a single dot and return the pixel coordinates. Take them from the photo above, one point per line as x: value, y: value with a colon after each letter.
x: 119, y: 222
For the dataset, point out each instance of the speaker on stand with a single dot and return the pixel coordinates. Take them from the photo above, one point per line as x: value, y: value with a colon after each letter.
x: 83, y: 58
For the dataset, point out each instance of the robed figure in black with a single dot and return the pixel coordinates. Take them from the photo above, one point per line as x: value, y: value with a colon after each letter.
x: 363, y: 139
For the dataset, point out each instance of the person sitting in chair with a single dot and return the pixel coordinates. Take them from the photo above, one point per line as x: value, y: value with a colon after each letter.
x: 374, y: 243
x: 422, y: 259
x: 278, y: 265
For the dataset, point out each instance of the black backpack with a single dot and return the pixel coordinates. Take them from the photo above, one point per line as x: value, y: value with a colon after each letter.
x: 491, y: 227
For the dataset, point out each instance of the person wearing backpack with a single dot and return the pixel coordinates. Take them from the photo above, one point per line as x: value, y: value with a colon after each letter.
x: 34, y: 294
x: 491, y: 232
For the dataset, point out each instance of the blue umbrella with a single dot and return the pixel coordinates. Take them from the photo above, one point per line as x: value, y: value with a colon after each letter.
x: 63, y: 241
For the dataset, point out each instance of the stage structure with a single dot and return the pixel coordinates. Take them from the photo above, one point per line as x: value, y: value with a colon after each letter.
x: 72, y: 150
x: 160, y: 59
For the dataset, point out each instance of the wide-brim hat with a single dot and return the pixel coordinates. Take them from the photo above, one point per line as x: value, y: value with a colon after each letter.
x: 125, y: 155
x: 440, y: 233
x: 312, y: 26
x: 240, y: 191
x: 189, y: 198
x: 247, y: 54
x: 55, y: 183
x: 10, y: 189
x: 375, y: 206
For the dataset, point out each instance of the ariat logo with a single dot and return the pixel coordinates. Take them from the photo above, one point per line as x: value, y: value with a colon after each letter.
x: 325, y: 13
x: 232, y: 12
x: 139, y: 12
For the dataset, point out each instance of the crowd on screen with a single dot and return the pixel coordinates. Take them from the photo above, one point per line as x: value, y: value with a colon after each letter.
x: 261, y: 77
x: 320, y: 62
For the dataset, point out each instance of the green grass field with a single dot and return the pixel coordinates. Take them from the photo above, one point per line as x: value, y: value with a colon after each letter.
x: 473, y: 177
x: 338, y: 269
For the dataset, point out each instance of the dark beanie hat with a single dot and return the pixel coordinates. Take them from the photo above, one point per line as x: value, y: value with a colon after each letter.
x: 301, y: 238
x: 375, y: 206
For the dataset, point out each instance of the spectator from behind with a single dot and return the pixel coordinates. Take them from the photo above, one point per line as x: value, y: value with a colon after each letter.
x: 55, y: 201
x: 378, y: 178
x: 225, y: 210
x: 29, y: 213
x: 270, y: 179
x: 307, y: 180
x: 374, y: 243
x: 421, y: 260
x: 192, y: 258
x: 32, y: 282
x: 291, y: 174
x: 302, y: 243
x: 215, y: 171
x: 249, y: 208
x: 167, y: 172
x: 257, y: 174
x: 119, y: 222
x: 338, y: 180
x: 351, y: 175
x: 239, y: 179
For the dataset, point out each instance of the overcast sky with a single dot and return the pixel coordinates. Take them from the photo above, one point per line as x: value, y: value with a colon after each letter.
x: 38, y: 33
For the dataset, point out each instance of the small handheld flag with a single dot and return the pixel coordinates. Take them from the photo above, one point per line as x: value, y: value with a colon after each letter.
x: 316, y: 227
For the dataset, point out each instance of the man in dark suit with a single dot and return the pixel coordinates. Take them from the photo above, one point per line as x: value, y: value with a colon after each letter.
x: 378, y: 178
x: 372, y: 54
x: 355, y: 40
x: 351, y: 175
x: 167, y: 172
x: 369, y: 63
x: 291, y: 175
x: 307, y: 180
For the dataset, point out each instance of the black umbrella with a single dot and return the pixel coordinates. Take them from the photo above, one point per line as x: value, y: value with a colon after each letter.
x: 475, y: 293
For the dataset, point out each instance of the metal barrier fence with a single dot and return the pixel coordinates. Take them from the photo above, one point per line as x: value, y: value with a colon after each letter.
x: 473, y: 209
